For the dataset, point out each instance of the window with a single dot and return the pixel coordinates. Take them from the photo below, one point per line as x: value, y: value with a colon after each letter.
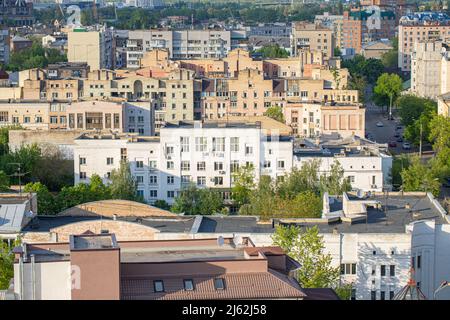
x: 383, y: 271
x: 353, y: 295
x: 140, y: 193
x: 218, y: 166
x: 382, y: 295
x: 234, y: 144
x: 188, y: 284
x: 185, y: 179
x: 248, y: 150
x: 170, y: 165
x: 158, y: 286
x: 170, y: 194
x: 348, y: 268
x: 419, y: 262
x: 218, y: 144
x: 374, y: 270
x: 391, y: 295
x: 218, y: 181
x: 351, y: 179
x: 201, y: 181
x: 201, y: 166
x: 169, y: 150
x: 153, y: 179
x: 200, y: 144
x: 185, y: 166
x: 280, y: 164
x: 109, y: 161
x: 418, y: 284
x: 373, y: 295
x: 82, y: 175
x: 139, y: 179
x: 170, y: 179
x: 82, y: 161
x: 184, y: 141
x: 153, y: 193
x: 392, y: 271
x: 219, y: 284
x: 266, y: 164
x: 234, y: 165
x: 139, y: 164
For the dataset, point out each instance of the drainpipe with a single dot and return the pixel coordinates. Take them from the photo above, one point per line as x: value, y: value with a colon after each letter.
x: 21, y: 277
x: 33, y: 278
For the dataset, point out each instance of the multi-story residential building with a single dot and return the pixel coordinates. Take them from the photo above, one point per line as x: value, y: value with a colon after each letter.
x: 98, y: 266
x: 423, y: 26
x: 335, y: 23
x: 312, y: 37
x: 147, y: 4
x: 64, y: 70
x: 4, y: 46
x: 444, y: 104
x: 93, y: 47
x: 426, y: 69
x: 375, y: 239
x: 367, y: 166
x: 16, y: 13
x: 32, y: 115
x: 182, y: 44
x: 205, y: 154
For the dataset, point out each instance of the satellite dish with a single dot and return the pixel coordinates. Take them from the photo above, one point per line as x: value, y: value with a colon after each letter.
x: 220, y: 241
x: 237, y: 240
x: 360, y: 194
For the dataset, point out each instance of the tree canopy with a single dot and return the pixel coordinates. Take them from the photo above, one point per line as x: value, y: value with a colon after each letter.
x: 275, y: 112
x: 273, y: 51
x: 198, y: 201
x: 34, y: 57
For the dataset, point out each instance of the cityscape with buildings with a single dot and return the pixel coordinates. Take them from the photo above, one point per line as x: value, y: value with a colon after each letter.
x: 226, y: 150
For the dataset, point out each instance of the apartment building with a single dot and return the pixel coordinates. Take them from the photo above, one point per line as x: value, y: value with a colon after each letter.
x: 98, y: 266
x: 335, y: 23
x: 313, y: 37
x: 93, y: 47
x: 423, y: 26
x: 204, y: 154
x: 182, y: 44
x: 426, y: 72
x: 16, y: 13
x: 31, y: 115
x: 4, y: 46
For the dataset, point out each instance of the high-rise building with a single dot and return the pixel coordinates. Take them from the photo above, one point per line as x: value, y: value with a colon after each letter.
x: 313, y: 37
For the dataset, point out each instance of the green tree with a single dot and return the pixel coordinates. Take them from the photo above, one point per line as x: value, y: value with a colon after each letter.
x: 307, y: 247
x: 275, y: 112
x: 411, y: 107
x: 192, y: 201
x: 123, y: 184
x: 244, y: 184
x: 440, y: 137
x: 388, y: 86
x: 419, y: 177
x: 6, y: 263
x: 334, y: 183
x: 337, y: 52
x: 299, y: 180
x: 162, y: 204
x: 273, y: 51
x: 398, y: 164
x: 262, y: 200
x: 358, y: 82
x: 4, y: 182
x: 4, y: 137
x: 46, y: 201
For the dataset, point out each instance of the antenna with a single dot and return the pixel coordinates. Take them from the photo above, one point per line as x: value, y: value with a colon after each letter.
x: 19, y: 174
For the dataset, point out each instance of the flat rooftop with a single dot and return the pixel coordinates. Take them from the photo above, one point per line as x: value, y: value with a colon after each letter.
x: 212, y: 124
x: 92, y: 242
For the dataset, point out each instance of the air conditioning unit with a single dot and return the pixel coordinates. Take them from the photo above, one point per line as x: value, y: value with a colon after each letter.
x: 373, y: 186
x: 222, y: 172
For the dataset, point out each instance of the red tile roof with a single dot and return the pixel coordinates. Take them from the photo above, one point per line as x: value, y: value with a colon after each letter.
x: 258, y: 285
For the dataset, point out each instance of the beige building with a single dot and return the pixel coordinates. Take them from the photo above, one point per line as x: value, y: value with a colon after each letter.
x: 376, y: 49
x: 444, y: 104
x: 93, y: 47
x: 312, y: 37
x: 30, y: 115
x: 426, y: 69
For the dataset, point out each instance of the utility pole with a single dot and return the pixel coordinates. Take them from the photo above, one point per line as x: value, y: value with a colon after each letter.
x: 420, y: 145
x: 19, y: 174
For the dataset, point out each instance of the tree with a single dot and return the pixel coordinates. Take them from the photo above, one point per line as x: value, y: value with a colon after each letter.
x: 358, y: 82
x: 411, y: 107
x: 299, y: 180
x: 4, y: 137
x: 419, y: 177
x: 336, y: 77
x: 162, y: 204
x: 337, y: 52
x: 4, y: 182
x: 275, y: 112
x: 390, y: 86
x: 123, y: 184
x: 262, y: 200
x: 7, y: 263
x: 34, y: 57
x: 45, y: 200
x: 195, y: 201
x: 334, y: 183
x: 272, y: 51
x: 398, y: 164
x: 243, y: 185
x: 306, y: 247
x: 440, y: 137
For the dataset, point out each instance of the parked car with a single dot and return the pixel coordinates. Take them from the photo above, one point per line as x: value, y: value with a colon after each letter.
x: 392, y: 144
x: 406, y: 145
x: 446, y: 183
x: 398, y: 128
x: 380, y: 124
x: 399, y: 139
x: 397, y: 135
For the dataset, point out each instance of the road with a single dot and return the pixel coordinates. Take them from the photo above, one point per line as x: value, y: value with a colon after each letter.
x: 386, y: 133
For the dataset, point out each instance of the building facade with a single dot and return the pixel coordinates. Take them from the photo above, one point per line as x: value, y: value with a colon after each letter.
x: 312, y: 37
x: 4, y: 46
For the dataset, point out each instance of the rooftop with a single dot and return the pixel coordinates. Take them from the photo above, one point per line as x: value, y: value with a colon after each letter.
x: 89, y: 241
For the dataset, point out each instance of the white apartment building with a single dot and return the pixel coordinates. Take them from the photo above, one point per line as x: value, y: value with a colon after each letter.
x: 182, y: 44
x: 205, y: 154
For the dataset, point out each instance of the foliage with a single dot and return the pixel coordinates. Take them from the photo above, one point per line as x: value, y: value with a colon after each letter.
x: 123, y: 184
x: 195, y: 201
x: 344, y: 291
x: 162, y: 204
x: 4, y: 137
x: 334, y: 183
x: 243, y: 184
x: 420, y: 177
x: 34, y: 57
x: 358, y: 82
x: 411, y: 107
x: 6, y: 263
x: 388, y: 88
x: 45, y: 200
x: 440, y: 137
x: 337, y: 52
x: 370, y: 69
x: 4, y: 182
x: 273, y: 51
x: 306, y: 246
x: 275, y: 112
x: 399, y: 163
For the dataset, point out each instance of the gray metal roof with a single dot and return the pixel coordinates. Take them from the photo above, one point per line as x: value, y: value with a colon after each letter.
x: 11, y: 217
